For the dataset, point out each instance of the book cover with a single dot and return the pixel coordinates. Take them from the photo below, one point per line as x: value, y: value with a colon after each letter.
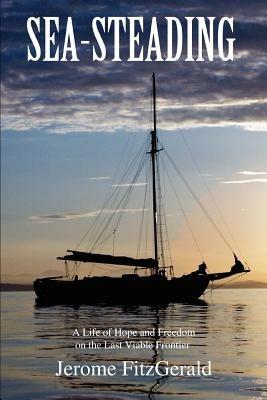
x: 134, y: 148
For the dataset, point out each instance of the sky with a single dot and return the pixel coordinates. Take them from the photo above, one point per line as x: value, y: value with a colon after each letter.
x: 69, y: 129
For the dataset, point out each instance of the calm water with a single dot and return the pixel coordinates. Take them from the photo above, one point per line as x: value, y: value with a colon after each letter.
x: 231, y: 331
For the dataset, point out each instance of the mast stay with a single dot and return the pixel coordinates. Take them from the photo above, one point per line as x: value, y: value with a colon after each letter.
x: 153, y: 152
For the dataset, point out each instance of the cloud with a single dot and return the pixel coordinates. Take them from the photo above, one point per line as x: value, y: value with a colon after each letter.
x: 99, y: 178
x: 114, y: 96
x: 252, y: 173
x: 71, y: 215
x: 257, y: 180
x: 130, y: 184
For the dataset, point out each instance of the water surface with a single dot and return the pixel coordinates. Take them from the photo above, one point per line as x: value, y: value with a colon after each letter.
x: 231, y: 331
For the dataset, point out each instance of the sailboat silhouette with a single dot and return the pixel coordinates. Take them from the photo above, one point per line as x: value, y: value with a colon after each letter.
x: 159, y: 287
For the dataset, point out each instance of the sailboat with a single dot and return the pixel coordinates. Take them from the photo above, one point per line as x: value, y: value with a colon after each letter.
x: 159, y: 286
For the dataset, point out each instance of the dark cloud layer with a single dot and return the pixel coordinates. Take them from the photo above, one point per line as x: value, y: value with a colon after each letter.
x: 108, y: 96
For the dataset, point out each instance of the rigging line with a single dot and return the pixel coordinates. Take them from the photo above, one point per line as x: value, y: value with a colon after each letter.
x: 167, y: 236
x: 113, y: 216
x: 127, y: 175
x: 105, y: 223
x: 148, y: 217
x: 142, y: 218
x: 125, y: 150
x: 92, y: 227
x: 218, y: 209
x: 123, y: 201
x: 166, y: 249
x: 225, y: 283
x: 151, y: 108
x: 140, y: 168
x: 185, y: 216
x: 149, y: 208
x: 99, y: 243
x: 121, y: 216
x: 199, y: 202
x: 164, y: 212
x: 108, y: 199
x: 127, y: 197
x: 160, y: 211
x: 116, y: 193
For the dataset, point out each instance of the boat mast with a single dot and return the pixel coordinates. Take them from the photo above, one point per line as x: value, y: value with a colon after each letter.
x: 153, y: 152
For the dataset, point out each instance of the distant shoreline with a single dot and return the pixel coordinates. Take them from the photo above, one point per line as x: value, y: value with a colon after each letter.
x: 16, y: 287
x: 28, y: 287
x: 243, y: 285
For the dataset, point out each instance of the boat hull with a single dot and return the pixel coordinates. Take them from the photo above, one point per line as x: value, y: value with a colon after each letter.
x: 136, y: 290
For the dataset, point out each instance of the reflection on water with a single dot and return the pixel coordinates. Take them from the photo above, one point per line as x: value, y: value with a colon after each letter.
x: 230, y: 331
